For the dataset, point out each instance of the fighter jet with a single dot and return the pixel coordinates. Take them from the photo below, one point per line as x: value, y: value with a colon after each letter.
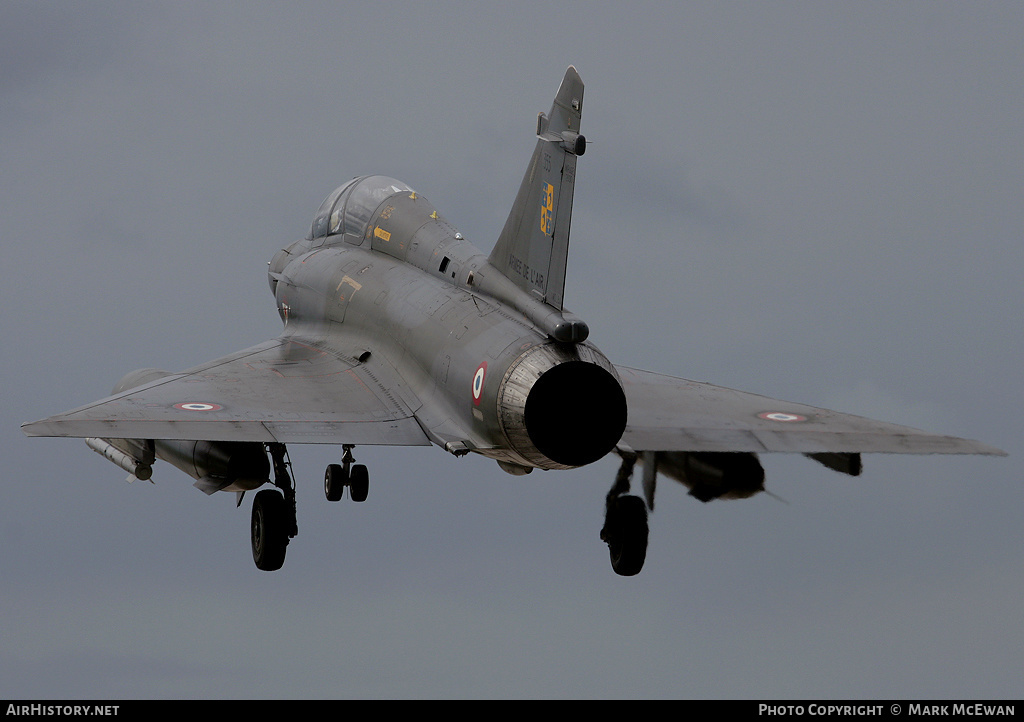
x: 398, y: 331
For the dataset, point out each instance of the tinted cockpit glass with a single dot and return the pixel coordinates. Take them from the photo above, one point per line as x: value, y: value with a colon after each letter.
x: 320, y: 225
x: 349, y: 207
x: 362, y: 200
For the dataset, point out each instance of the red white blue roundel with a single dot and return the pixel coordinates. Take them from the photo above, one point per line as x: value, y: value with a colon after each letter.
x: 781, y: 416
x: 197, y: 406
x: 478, y: 382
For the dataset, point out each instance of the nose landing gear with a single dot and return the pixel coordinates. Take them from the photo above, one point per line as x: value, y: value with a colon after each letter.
x: 354, y: 476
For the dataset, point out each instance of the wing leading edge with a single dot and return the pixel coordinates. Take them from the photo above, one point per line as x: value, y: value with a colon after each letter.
x: 280, y: 391
x: 672, y: 414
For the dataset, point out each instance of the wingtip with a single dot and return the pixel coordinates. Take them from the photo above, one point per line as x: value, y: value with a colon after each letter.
x: 970, y: 446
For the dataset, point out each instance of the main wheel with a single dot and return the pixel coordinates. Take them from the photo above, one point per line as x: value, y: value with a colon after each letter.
x: 360, y: 482
x: 334, y: 482
x: 269, y: 530
x: 625, y: 531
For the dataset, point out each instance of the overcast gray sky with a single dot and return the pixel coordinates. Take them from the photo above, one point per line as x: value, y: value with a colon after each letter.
x: 818, y: 202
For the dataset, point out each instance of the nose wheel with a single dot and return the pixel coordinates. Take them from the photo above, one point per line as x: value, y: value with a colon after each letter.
x: 346, y: 474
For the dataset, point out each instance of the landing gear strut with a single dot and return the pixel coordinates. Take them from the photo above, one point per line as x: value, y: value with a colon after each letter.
x: 625, y: 524
x: 354, y: 476
x: 273, y: 515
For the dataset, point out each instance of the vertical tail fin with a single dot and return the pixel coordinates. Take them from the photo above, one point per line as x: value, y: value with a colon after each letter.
x: 534, y: 244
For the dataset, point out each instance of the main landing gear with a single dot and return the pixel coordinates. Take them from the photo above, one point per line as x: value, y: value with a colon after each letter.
x: 625, y: 524
x: 354, y: 476
x: 273, y: 514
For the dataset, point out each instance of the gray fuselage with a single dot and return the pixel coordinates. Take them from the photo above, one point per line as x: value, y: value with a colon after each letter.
x: 475, y: 357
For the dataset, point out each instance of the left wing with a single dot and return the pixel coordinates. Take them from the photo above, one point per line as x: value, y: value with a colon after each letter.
x: 279, y: 391
x: 671, y: 414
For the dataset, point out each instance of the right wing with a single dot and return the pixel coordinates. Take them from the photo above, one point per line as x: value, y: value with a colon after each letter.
x: 672, y: 414
x: 279, y: 391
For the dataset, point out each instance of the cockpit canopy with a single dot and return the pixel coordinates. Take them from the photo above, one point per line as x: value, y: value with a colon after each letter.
x: 349, y: 208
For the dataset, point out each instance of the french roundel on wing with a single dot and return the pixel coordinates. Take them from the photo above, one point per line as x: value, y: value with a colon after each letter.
x: 782, y: 416
x: 478, y: 382
x: 197, y: 406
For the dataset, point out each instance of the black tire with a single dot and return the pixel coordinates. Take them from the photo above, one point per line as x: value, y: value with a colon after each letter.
x: 334, y: 482
x: 359, y: 481
x: 269, y: 530
x: 626, y: 532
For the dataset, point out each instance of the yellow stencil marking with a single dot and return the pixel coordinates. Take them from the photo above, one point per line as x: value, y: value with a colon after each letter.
x: 381, y: 234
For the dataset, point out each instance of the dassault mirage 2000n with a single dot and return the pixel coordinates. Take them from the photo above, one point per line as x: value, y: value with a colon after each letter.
x: 398, y: 331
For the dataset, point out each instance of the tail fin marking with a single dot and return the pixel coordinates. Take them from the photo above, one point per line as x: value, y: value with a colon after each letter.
x: 534, y: 244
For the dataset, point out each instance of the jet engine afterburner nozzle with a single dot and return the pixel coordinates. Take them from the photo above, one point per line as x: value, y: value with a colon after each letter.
x: 562, y: 406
